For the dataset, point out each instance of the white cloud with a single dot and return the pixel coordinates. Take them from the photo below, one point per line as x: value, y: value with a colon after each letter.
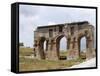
x: 33, y: 16
x: 51, y: 23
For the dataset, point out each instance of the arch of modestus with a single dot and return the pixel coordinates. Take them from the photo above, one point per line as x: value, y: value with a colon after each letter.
x: 52, y: 34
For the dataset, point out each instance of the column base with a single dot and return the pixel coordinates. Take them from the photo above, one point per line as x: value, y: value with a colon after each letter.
x: 72, y: 55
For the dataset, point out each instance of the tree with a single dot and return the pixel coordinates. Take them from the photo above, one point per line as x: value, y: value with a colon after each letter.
x: 21, y: 44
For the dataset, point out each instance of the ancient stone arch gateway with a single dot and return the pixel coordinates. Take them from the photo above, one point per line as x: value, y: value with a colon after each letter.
x: 52, y: 34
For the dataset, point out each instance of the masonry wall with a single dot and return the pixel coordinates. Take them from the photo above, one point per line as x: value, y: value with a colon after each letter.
x: 52, y: 35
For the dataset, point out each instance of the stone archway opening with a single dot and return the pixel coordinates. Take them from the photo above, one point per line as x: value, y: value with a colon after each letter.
x: 83, y: 47
x: 55, y: 33
x: 62, y: 47
x: 45, y: 45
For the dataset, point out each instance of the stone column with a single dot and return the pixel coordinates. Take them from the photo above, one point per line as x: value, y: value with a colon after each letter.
x: 73, y: 52
x: 52, y: 50
x: 70, y: 51
x: 55, y: 53
x: 48, y: 57
x: 76, y: 48
x: 90, y: 50
x: 68, y: 43
x: 90, y: 44
x: 42, y: 53
x: 37, y: 49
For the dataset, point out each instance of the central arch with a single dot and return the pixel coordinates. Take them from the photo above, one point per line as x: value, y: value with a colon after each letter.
x: 62, y: 53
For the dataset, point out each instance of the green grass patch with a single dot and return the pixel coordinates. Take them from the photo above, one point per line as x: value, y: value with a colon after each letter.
x: 63, y: 53
x: 25, y: 51
x: 31, y: 64
x: 34, y: 64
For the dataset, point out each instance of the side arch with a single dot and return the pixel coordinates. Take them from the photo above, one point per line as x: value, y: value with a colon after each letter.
x: 88, y: 34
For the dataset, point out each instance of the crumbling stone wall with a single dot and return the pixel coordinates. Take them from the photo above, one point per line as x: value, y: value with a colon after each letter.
x: 52, y: 34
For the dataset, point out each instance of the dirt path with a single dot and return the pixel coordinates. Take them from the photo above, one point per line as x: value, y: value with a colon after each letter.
x: 89, y: 63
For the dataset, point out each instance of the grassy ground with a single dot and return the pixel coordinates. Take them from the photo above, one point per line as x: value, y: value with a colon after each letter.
x: 33, y: 64
x: 63, y: 53
x: 25, y: 51
x: 30, y: 64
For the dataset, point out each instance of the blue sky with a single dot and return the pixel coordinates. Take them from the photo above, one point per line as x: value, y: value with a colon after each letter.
x: 33, y: 16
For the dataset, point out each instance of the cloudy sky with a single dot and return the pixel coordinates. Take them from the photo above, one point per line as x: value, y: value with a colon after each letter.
x: 30, y: 17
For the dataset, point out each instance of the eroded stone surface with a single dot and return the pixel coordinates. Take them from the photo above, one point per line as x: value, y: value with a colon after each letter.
x: 52, y: 35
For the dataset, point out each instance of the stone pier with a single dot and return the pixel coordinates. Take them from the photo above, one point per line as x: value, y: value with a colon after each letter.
x: 52, y: 34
